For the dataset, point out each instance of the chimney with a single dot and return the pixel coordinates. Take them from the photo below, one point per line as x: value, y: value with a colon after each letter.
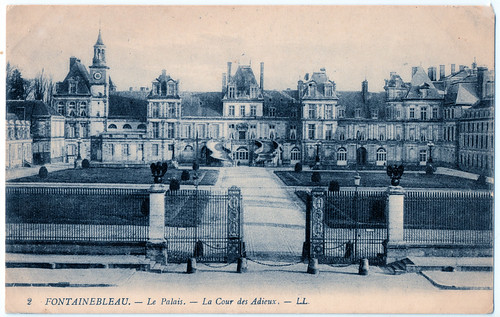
x: 164, y: 72
x: 72, y: 61
x: 130, y: 88
x: 453, y: 69
x: 262, y: 76
x: 481, y: 82
x: 364, y: 90
x: 224, y: 83
x: 392, y: 74
x: 413, y: 70
x: 306, y: 77
x: 462, y: 68
x: 441, y: 72
x: 228, y: 72
x: 432, y: 73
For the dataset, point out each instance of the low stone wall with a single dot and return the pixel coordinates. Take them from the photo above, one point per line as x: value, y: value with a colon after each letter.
x: 396, y: 252
x: 76, y: 248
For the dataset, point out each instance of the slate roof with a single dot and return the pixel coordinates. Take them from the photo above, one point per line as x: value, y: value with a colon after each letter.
x: 352, y: 100
x: 99, y: 39
x: 201, y: 104
x: 243, y: 80
x: 126, y: 107
x: 282, y: 102
x: 421, y: 83
x: 78, y: 72
x: 29, y: 108
x: 320, y: 79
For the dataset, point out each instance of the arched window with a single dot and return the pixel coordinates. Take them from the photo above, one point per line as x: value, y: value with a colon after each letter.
x: 141, y: 126
x: 83, y: 109
x: 72, y: 109
x: 188, y: 148
x: 127, y: 126
x: 112, y: 126
x: 381, y: 157
x: 341, y: 156
x: 295, y: 154
x: 241, y: 153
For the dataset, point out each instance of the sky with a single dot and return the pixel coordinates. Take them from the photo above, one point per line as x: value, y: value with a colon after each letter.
x: 194, y: 43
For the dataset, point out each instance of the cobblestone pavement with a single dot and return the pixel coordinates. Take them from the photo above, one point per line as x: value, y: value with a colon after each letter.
x: 274, y: 217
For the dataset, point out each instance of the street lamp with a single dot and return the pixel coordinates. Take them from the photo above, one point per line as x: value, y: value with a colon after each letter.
x: 429, y: 168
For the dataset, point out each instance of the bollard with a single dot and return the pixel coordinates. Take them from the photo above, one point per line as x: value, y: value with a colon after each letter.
x: 191, y: 266
x: 364, y: 267
x: 312, y: 267
x: 242, y: 265
x: 198, y: 249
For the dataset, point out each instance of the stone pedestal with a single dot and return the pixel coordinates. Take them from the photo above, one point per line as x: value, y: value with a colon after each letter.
x: 156, y: 247
x: 395, y: 223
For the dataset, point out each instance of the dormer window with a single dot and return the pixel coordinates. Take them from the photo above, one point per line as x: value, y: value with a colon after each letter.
x: 309, y: 89
x: 328, y: 90
x: 272, y: 112
x: 72, y: 87
x: 374, y: 114
x: 253, y: 92
x: 231, y: 92
x: 357, y: 113
x: 171, y: 89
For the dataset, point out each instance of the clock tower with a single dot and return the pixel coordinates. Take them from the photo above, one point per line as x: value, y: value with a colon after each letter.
x: 98, y: 76
x: 99, y: 87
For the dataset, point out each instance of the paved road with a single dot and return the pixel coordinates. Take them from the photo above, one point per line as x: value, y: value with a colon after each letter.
x: 274, y: 217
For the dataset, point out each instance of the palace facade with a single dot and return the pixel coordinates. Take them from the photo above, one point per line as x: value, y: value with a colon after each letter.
x: 449, y: 117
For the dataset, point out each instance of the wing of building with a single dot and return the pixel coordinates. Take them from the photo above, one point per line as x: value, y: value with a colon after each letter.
x: 449, y: 118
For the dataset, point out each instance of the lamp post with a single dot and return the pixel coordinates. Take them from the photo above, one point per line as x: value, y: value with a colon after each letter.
x: 357, y: 182
x: 429, y: 168
x: 430, y: 145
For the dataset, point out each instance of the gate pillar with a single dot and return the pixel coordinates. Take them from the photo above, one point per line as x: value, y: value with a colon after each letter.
x: 156, y: 246
x: 395, y: 223
x: 315, y: 230
x: 235, y: 226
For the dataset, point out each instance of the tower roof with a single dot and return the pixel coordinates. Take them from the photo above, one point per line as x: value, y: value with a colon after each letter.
x: 99, y: 39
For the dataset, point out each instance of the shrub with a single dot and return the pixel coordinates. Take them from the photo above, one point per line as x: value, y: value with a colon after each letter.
x: 316, y: 177
x: 481, y: 180
x: 43, y: 172
x: 174, y: 184
x: 298, y: 167
x: 334, y: 186
x: 196, y: 166
x: 185, y: 175
x: 429, y: 169
x: 85, y: 163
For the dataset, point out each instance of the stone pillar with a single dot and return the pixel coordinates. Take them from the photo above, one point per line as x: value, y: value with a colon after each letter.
x: 395, y: 224
x: 235, y: 248
x: 317, y: 231
x: 156, y: 247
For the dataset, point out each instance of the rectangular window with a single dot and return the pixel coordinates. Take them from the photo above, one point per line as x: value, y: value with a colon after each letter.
x: 72, y: 88
x: 126, y: 151
x: 140, y: 147
x: 231, y: 111
x: 170, y: 130
x: 434, y: 113
x: 231, y: 92
x: 242, y: 110
x: 423, y: 113
x: 85, y: 132
x: 312, y: 111
x: 311, y: 131
x: 328, y: 112
x: 155, y: 110
x: 328, y: 132
x: 341, y: 113
x: 272, y: 112
x: 156, y: 130
x: 171, y: 110
x: 253, y: 110
x: 155, y: 149
x: 412, y: 113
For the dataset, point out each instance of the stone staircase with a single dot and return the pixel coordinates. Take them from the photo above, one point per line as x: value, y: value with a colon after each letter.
x: 446, y: 264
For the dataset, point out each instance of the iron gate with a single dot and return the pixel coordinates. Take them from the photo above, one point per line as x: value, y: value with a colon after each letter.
x: 345, y: 226
x: 204, y: 224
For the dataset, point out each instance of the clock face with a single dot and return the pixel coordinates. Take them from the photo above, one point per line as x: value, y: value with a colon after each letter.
x: 97, y: 75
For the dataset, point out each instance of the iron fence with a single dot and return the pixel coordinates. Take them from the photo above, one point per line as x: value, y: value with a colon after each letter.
x: 197, y: 223
x: 76, y: 214
x: 354, y: 226
x: 450, y: 217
